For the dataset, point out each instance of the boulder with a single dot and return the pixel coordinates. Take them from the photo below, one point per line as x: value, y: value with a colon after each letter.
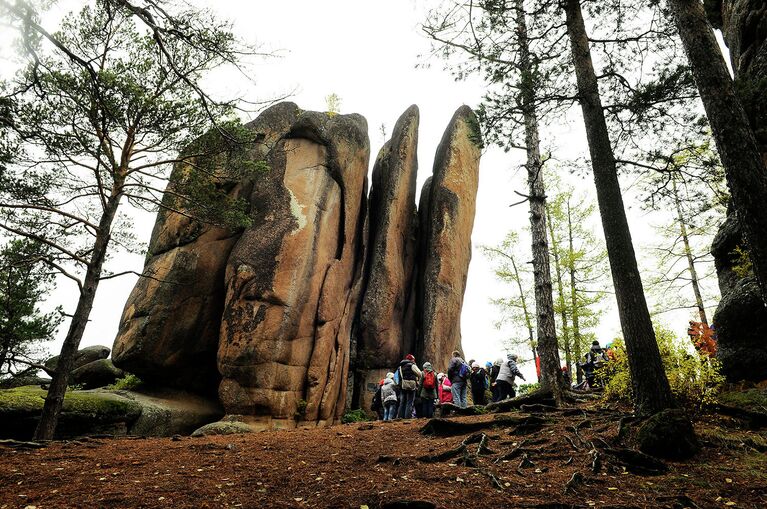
x: 91, y: 412
x: 668, y: 434
x: 449, y: 220
x: 740, y: 316
x: 385, y: 328
x: 293, y: 277
x: 20, y: 381
x: 230, y: 425
x: 83, y: 413
x: 169, y: 329
x: 96, y: 374
x: 82, y: 357
x: 740, y: 323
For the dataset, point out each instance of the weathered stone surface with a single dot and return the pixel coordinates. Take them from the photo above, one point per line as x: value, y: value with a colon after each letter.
x: 451, y: 207
x: 169, y: 329
x: 740, y: 316
x: 82, y: 357
x: 385, y: 327
x: 159, y: 413
x: 229, y: 425
x: 96, y: 374
x: 292, y: 280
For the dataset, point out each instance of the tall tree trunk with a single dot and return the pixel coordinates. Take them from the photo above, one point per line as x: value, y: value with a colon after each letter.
x: 651, y: 386
x: 574, y: 312
x: 55, y: 398
x: 688, y: 254
x: 743, y: 165
x: 525, y: 310
x: 548, y: 349
x: 560, y: 294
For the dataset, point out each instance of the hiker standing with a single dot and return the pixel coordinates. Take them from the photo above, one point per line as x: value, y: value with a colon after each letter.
x: 389, y: 397
x: 595, y: 358
x: 478, y: 379
x: 506, y: 375
x: 428, y: 391
x: 377, y: 403
x: 444, y: 389
x: 409, y: 374
x: 494, y: 370
x: 458, y: 373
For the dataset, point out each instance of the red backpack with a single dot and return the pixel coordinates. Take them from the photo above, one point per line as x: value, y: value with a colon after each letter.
x: 429, y: 380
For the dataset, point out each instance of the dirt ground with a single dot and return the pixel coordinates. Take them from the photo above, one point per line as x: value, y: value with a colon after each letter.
x: 549, y: 463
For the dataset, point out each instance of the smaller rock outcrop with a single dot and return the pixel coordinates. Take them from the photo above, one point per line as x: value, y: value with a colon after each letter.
x: 96, y: 374
x: 82, y: 357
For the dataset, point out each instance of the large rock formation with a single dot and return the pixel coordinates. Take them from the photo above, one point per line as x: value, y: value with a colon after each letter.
x: 448, y: 219
x: 740, y: 317
x: 170, y: 326
x: 266, y: 314
x: 291, y: 280
x: 385, y: 328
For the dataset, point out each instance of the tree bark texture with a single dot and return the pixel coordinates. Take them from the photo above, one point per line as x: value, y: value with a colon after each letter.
x: 58, y: 387
x: 548, y: 349
x: 560, y: 295
x: 651, y: 387
x: 576, y: 328
x: 743, y: 165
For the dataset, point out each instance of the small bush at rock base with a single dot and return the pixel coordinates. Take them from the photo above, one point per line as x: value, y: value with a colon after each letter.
x: 358, y: 415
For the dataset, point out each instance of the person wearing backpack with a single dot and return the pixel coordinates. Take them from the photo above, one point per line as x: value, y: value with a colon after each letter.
x: 458, y: 373
x: 478, y: 379
x: 428, y: 391
x: 409, y: 374
x: 377, y: 403
x: 493, y: 372
x: 389, y: 397
x: 506, y: 375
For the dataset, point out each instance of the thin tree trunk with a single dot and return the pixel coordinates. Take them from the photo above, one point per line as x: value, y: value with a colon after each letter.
x: 548, y: 349
x: 525, y: 310
x: 743, y: 164
x: 651, y: 386
x: 560, y: 294
x: 688, y: 254
x: 55, y: 398
x: 574, y: 313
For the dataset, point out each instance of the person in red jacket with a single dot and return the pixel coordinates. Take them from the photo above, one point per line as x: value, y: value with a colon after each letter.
x: 445, y: 389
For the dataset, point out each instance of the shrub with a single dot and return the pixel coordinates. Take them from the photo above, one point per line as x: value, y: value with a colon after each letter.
x: 357, y: 415
x: 527, y: 388
x: 127, y: 383
x: 695, y: 379
x: 300, y: 410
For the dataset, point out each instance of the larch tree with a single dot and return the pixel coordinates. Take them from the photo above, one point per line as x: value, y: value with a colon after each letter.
x: 102, y: 107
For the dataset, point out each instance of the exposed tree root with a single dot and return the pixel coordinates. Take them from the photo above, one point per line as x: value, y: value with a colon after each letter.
x: 543, y: 397
x: 447, y: 427
x: 448, y: 409
x: 443, y: 456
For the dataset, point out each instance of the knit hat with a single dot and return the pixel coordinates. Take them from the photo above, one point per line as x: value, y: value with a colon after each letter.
x: 440, y: 376
x: 498, y: 361
x: 488, y: 364
x: 512, y: 357
x: 427, y: 366
x: 390, y: 375
x: 410, y: 357
x: 474, y: 365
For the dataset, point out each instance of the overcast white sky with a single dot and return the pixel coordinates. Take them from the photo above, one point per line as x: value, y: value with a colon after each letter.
x: 366, y: 52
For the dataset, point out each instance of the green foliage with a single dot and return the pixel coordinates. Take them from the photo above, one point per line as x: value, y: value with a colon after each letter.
x: 333, y: 103
x: 695, y: 380
x: 24, y: 282
x: 742, y: 265
x: 127, y: 383
x: 300, y: 410
x: 30, y: 399
x: 527, y: 388
x: 358, y: 415
x: 475, y: 132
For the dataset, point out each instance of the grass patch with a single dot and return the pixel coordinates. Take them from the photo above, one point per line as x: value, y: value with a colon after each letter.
x: 29, y: 400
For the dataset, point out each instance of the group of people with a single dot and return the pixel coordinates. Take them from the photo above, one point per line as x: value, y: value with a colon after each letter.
x: 410, y: 391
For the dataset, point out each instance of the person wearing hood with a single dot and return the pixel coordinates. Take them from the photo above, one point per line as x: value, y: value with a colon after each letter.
x: 428, y: 390
x: 595, y: 357
x: 508, y: 372
x: 494, y: 370
x: 478, y: 379
x: 409, y: 375
x: 458, y: 373
x: 444, y: 389
x: 389, y: 397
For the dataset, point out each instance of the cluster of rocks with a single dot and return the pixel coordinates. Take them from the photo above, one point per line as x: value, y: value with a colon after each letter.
x: 740, y: 320
x: 290, y: 317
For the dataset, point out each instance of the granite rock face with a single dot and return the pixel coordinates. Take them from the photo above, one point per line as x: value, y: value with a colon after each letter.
x: 169, y: 329
x: 292, y: 280
x: 271, y: 315
x: 448, y: 220
x: 740, y: 315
